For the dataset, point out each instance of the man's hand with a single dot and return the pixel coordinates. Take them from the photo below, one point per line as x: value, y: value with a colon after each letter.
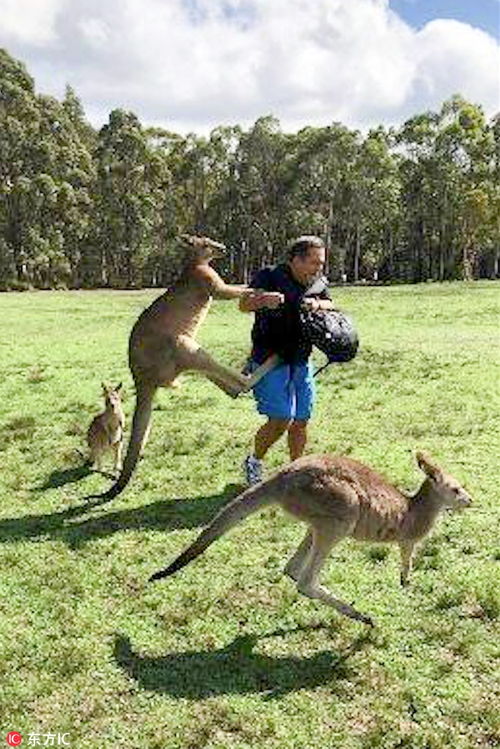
x: 314, y: 305
x: 256, y: 299
x: 311, y: 304
x: 269, y: 299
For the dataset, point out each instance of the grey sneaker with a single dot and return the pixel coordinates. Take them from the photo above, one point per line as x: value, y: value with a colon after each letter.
x: 253, y: 470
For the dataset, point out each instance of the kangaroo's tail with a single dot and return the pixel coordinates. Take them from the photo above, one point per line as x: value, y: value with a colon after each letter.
x: 140, y: 424
x: 239, y: 508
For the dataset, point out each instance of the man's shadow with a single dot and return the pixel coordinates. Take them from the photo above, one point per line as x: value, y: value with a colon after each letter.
x: 70, y: 527
x: 235, y: 669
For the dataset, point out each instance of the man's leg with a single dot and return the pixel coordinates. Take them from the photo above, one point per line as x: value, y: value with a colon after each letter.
x: 268, y: 434
x: 273, y: 395
x: 297, y: 438
x: 303, y: 385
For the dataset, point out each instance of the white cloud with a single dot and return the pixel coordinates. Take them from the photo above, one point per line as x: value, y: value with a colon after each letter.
x: 95, y: 31
x: 449, y: 52
x: 198, y: 63
x: 30, y: 21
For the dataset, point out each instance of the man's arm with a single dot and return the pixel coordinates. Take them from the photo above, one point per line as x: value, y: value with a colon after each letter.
x: 260, y: 299
x: 321, y: 301
x: 261, y: 294
x: 314, y: 304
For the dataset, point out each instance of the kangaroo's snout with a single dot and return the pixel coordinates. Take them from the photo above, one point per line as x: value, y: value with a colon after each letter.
x: 196, y: 241
x: 465, y: 500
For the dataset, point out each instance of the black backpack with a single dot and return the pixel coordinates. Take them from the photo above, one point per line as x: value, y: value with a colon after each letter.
x: 332, y: 332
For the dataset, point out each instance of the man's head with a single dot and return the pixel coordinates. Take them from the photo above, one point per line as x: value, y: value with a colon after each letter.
x: 306, y: 258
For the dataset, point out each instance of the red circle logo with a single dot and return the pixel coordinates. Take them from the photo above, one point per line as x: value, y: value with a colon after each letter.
x: 14, y: 738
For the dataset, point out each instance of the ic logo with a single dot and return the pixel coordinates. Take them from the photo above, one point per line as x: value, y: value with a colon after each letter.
x: 14, y: 738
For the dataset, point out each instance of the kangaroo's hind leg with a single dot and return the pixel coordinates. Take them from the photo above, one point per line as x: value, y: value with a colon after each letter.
x: 117, y: 450
x: 266, y: 366
x: 93, y: 458
x: 323, y: 539
x: 296, y: 562
x: 192, y: 357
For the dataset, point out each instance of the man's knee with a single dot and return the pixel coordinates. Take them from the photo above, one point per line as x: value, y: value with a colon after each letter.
x: 297, y: 426
x: 279, y: 426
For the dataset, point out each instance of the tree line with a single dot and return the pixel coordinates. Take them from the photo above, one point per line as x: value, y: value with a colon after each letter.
x: 81, y: 208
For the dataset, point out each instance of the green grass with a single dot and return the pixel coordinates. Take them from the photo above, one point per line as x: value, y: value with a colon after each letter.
x: 227, y: 654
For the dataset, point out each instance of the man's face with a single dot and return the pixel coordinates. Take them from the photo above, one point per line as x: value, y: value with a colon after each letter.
x: 306, y: 269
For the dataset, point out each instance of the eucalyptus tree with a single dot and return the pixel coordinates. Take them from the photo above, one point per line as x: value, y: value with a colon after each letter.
x: 492, y: 258
x: 258, y: 218
x: 84, y: 208
x: 321, y: 178
x: 46, y: 170
x: 446, y: 195
x: 130, y: 175
x: 162, y: 261
x: 19, y: 122
x: 372, y: 212
x: 65, y: 180
x: 75, y: 113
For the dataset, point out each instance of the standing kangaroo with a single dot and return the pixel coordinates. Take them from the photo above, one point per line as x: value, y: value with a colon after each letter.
x: 338, y: 497
x: 106, y: 429
x: 163, y: 343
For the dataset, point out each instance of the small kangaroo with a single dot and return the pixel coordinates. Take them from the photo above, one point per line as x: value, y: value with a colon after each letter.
x: 163, y: 344
x: 106, y: 429
x: 338, y: 497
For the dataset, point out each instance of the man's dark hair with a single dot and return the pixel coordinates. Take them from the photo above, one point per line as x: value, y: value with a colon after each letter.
x: 300, y: 246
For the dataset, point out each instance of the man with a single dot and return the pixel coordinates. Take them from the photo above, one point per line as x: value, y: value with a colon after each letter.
x: 286, y: 394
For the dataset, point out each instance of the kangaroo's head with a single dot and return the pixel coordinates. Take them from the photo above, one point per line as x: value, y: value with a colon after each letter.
x: 451, y: 495
x: 202, y: 249
x: 112, y: 395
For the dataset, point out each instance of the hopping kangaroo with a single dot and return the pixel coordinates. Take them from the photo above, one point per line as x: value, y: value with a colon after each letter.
x: 162, y: 344
x: 338, y: 497
x: 106, y: 429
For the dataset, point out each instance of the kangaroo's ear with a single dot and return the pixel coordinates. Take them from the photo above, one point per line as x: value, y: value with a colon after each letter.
x: 188, y: 239
x: 104, y: 387
x: 118, y: 387
x: 427, y: 465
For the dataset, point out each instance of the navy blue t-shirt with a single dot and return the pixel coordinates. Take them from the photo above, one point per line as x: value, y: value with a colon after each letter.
x: 278, y: 331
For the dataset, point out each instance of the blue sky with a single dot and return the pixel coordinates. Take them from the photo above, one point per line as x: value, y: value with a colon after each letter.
x: 190, y: 65
x: 483, y: 14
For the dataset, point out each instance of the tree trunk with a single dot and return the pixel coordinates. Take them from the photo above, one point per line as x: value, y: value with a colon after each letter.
x: 357, y: 253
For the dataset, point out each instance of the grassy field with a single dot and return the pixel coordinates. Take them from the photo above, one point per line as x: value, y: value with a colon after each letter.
x: 227, y: 654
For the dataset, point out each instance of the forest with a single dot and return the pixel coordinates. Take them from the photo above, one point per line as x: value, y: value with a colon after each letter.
x: 88, y: 208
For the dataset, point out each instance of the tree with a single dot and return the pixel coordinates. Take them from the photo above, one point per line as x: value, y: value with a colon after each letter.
x: 130, y: 173
x: 82, y: 208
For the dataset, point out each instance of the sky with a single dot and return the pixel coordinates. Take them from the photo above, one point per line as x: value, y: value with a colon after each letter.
x: 191, y: 65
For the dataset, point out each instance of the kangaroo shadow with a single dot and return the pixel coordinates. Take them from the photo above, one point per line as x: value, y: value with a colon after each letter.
x: 235, y: 669
x: 67, y: 476
x: 69, y: 526
x: 71, y: 475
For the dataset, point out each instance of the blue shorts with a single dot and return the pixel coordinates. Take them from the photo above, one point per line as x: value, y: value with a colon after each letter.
x: 286, y: 392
